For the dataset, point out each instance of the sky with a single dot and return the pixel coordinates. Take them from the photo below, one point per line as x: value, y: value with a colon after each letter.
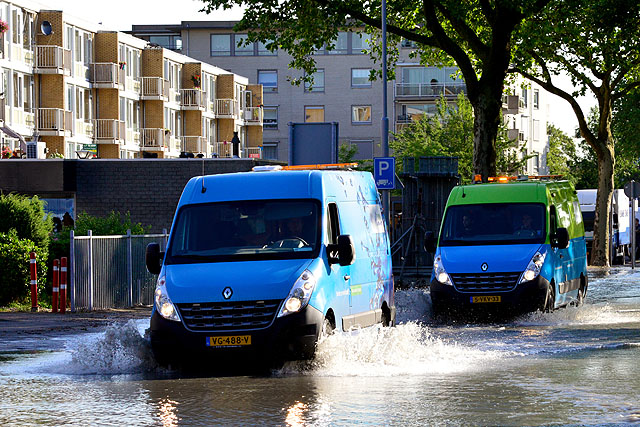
x: 122, y: 14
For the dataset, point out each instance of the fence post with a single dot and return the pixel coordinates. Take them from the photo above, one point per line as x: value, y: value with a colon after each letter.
x: 130, y: 267
x: 63, y: 285
x: 90, y: 270
x: 72, y: 271
x: 34, y: 281
x: 164, y: 231
x: 56, y: 287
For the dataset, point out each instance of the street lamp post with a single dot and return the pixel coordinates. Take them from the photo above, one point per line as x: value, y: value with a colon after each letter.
x: 385, y: 119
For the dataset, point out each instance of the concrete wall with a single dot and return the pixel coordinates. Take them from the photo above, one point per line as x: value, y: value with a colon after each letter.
x: 147, y: 188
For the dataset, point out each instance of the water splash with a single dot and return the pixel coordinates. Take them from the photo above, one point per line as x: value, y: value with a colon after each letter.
x: 408, y: 349
x: 121, y: 349
x: 588, y: 314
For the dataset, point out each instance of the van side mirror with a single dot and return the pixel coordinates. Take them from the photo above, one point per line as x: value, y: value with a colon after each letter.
x: 430, y: 241
x: 561, y: 238
x: 153, y: 258
x: 343, y: 252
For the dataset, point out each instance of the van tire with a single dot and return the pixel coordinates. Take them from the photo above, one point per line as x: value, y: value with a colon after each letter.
x: 327, y: 328
x: 582, y: 291
x: 386, y: 316
x: 549, y: 299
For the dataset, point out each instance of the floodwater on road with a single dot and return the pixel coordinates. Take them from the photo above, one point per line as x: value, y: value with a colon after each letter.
x: 576, y: 366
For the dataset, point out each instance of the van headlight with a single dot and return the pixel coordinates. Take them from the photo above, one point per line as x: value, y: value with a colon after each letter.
x: 300, y: 294
x: 533, y: 269
x: 163, y: 304
x: 440, y: 273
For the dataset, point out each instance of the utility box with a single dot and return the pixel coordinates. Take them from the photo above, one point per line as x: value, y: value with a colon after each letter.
x: 36, y: 150
x: 313, y: 143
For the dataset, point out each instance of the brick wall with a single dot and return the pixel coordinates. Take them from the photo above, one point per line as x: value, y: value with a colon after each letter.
x: 57, y: 34
x: 192, y: 123
x: 224, y: 86
x: 153, y: 114
x: 108, y: 104
x: 188, y: 70
x: 152, y: 62
x: 147, y: 188
x: 106, y: 47
x: 225, y: 129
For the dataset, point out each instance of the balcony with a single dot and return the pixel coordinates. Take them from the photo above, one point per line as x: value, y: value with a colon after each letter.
x: 154, y: 139
x: 252, y: 152
x: 227, y: 108
x: 54, y: 122
x: 53, y: 60
x: 106, y: 75
x: 512, y: 104
x: 20, y: 54
x: 222, y: 149
x: 192, y: 99
x: 109, y: 131
x: 83, y: 128
x: 252, y: 116
x: 515, y: 135
x: 155, y: 88
x: 193, y: 144
x: 429, y: 90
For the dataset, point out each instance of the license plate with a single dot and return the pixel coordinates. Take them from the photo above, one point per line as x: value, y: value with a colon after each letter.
x: 229, y: 341
x: 485, y: 299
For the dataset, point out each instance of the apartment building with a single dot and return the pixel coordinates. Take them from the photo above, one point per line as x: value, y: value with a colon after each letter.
x: 73, y: 90
x: 342, y: 91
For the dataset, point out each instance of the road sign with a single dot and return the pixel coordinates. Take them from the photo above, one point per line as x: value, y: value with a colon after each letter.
x: 632, y: 189
x: 384, y: 172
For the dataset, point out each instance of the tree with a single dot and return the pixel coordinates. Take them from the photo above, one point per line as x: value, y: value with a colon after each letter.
x: 562, y: 154
x: 596, y: 42
x: 449, y: 132
x: 475, y: 34
x: 625, y: 126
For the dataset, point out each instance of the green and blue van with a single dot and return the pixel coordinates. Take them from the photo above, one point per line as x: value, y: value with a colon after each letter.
x: 509, y: 247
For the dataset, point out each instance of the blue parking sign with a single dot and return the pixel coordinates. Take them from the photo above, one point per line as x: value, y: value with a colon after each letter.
x: 384, y: 172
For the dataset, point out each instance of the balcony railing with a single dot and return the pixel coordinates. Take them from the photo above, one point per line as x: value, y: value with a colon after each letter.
x: 83, y: 128
x: 109, y: 130
x: 53, y: 59
x: 222, y: 149
x: 429, y: 90
x: 154, y: 138
x: 252, y: 115
x: 54, y: 120
x: 23, y: 55
x: 106, y: 74
x: 155, y: 88
x: 192, y: 99
x: 193, y: 144
x: 253, y: 152
x: 227, y: 108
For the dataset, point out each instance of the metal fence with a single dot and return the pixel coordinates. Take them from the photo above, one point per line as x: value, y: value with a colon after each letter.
x: 110, y: 272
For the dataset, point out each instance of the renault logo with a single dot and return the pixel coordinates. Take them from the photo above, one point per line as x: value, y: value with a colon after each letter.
x: 484, y: 266
x: 227, y: 293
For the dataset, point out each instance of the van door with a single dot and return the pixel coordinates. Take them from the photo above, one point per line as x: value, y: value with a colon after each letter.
x: 340, y: 275
x: 561, y: 258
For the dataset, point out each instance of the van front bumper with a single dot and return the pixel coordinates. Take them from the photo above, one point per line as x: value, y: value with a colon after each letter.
x: 525, y: 297
x: 287, y: 338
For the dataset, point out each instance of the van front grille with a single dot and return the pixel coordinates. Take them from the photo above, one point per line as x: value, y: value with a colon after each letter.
x: 228, y: 316
x: 485, y: 282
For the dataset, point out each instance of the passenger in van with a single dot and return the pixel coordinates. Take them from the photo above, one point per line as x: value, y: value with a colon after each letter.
x: 468, y: 228
x: 292, y: 234
x: 526, y: 228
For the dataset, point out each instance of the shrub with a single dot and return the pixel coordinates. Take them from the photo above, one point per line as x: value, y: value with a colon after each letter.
x: 114, y: 223
x: 15, y: 267
x: 27, y: 217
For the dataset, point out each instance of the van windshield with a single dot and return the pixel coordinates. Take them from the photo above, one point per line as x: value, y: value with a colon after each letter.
x: 494, y: 224
x: 245, y: 230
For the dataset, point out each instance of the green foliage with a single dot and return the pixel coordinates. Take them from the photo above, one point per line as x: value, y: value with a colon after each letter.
x: 347, y: 153
x: 626, y: 132
x: 562, y: 154
x: 15, y: 267
x: 114, y: 223
x: 27, y: 216
x: 449, y: 132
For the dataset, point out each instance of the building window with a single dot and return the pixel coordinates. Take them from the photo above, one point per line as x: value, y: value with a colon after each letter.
x: 313, y: 114
x: 270, y: 150
x: 241, y: 49
x: 361, y: 114
x: 220, y: 44
x: 270, y: 117
x: 340, y: 45
x: 318, y: 82
x: 360, y: 42
x: 408, y: 44
x: 169, y: 42
x: 525, y: 97
x: 360, y: 77
x: 536, y: 99
x: 365, y: 149
x: 269, y: 80
x: 263, y: 51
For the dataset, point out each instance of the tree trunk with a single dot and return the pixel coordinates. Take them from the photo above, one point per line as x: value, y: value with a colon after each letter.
x: 601, y: 230
x: 486, y: 123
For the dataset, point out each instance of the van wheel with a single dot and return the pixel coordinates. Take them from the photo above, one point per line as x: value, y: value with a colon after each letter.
x: 582, y: 292
x: 549, y: 299
x: 327, y: 328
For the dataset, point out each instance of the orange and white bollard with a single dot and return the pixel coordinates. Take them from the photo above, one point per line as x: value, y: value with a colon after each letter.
x: 56, y: 286
x: 34, y: 282
x: 63, y: 284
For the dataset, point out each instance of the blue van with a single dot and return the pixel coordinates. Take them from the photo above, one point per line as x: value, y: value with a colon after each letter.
x: 263, y: 263
x: 509, y: 247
